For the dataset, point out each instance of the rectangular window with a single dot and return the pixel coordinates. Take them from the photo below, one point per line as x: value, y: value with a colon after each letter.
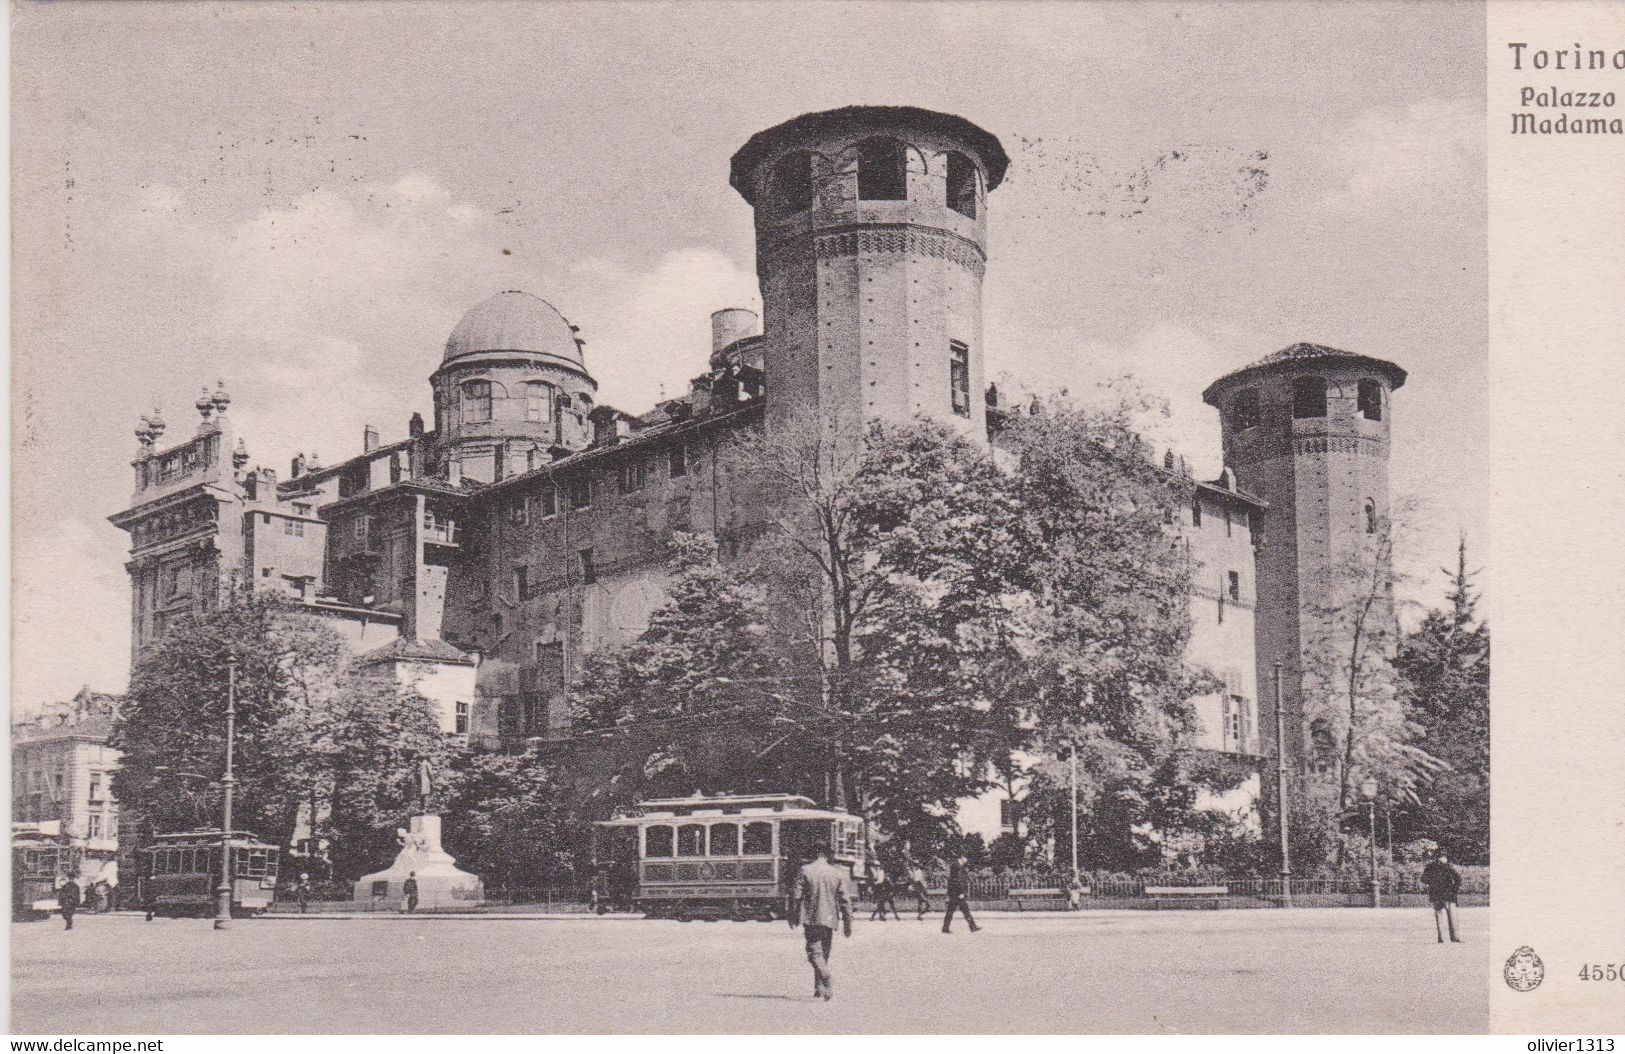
x: 293, y: 527
x: 581, y: 492
x: 1371, y: 400
x: 359, y: 528
x: 1235, y: 586
x: 519, y: 511
x: 95, y: 788
x: 679, y: 460
x: 632, y: 476
x: 547, y: 500
x: 521, y: 582
x: 95, y: 825
x: 476, y: 402
x: 301, y: 509
x: 1309, y: 397
x: 1009, y: 813
x: 589, y: 572
x: 959, y: 377
x: 461, y: 719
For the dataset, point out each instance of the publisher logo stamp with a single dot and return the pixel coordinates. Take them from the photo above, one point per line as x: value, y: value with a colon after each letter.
x: 1524, y: 970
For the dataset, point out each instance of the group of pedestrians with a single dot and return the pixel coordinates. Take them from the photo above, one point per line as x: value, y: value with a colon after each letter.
x: 883, y: 890
x: 96, y: 899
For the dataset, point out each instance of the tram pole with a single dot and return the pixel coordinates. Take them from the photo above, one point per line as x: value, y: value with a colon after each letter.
x: 1280, y: 794
x: 222, y: 892
x: 1075, y: 814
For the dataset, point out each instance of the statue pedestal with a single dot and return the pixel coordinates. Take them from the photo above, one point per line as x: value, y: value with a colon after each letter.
x: 440, y: 884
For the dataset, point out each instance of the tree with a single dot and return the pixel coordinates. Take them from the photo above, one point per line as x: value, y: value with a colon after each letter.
x: 1444, y: 673
x: 1357, y: 726
x: 511, y: 820
x: 690, y: 703
x: 1112, y: 585
x: 314, y: 736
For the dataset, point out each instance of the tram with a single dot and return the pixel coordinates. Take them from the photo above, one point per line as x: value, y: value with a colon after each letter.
x: 729, y: 856
x: 40, y: 858
x: 183, y: 871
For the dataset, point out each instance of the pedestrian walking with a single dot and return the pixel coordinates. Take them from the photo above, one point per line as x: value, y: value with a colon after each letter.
x: 921, y: 891
x: 958, y: 895
x: 302, y: 892
x: 104, y: 897
x: 880, y: 887
x: 410, y: 888
x: 1443, y: 884
x: 1074, y: 893
x: 820, y: 901
x: 67, y: 898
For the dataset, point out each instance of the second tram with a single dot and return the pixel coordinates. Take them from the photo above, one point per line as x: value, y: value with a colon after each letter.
x: 183, y: 871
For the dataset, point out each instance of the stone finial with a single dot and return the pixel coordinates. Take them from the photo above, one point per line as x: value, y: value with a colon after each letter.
x: 221, y: 399
x: 239, y: 456
x: 143, y: 432
x: 156, y: 423
x: 414, y: 427
x: 205, y: 403
x: 315, y: 462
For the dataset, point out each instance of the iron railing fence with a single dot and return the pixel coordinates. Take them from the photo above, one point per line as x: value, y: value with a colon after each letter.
x: 1103, y: 884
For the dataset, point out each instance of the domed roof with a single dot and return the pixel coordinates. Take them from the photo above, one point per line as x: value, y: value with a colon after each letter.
x: 515, y: 321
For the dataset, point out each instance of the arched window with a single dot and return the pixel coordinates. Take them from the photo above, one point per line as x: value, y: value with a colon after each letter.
x: 1309, y: 397
x: 476, y: 402
x: 1370, y: 400
x: 724, y: 839
x: 538, y: 401
x: 758, y: 839
x: 691, y: 839
x: 961, y: 184
x: 791, y: 183
x: 1244, y: 410
x: 882, y: 170
x: 657, y: 840
x: 1370, y: 516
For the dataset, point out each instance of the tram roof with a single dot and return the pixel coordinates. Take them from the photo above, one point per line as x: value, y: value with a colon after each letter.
x: 726, y: 806
x: 207, y: 837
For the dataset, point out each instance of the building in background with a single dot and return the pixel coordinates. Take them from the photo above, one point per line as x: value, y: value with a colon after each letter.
x: 61, y: 782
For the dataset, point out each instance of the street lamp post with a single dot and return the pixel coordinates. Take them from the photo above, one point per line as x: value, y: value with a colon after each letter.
x: 1280, y: 794
x: 1369, y: 789
x: 222, y: 892
x: 1074, y: 814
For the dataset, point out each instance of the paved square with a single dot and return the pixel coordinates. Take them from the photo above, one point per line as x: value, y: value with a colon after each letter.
x: 1334, y: 970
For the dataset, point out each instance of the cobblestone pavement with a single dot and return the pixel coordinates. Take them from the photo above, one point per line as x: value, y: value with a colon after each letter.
x: 1334, y: 970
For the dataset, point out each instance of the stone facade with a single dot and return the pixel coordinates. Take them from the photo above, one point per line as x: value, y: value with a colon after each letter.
x: 483, y: 557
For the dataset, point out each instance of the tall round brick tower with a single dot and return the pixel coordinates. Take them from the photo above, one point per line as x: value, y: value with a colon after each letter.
x: 1307, y: 430
x: 871, y: 243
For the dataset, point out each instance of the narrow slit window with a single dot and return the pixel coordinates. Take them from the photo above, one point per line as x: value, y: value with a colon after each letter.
x: 589, y: 570
x: 1370, y: 516
x: 1235, y: 586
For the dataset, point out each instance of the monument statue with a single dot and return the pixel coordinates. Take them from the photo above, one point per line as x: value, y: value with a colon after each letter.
x: 425, y: 783
x: 422, y: 858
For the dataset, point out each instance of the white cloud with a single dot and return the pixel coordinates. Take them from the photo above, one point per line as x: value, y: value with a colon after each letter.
x: 1413, y: 154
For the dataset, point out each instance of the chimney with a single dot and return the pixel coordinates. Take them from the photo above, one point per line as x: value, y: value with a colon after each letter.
x: 369, y: 439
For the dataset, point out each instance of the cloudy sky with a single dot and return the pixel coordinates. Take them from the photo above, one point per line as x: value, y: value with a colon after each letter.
x: 302, y: 200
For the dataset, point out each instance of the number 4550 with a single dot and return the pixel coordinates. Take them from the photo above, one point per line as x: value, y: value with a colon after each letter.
x: 1608, y: 972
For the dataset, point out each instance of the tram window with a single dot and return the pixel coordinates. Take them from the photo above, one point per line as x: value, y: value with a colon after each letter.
x: 758, y: 839
x: 657, y: 840
x: 691, y: 839
x: 725, y: 839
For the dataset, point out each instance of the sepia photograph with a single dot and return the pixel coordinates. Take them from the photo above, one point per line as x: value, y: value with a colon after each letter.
x: 736, y: 518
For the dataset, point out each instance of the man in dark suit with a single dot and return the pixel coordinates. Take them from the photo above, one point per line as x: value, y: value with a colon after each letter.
x: 410, y: 888
x: 820, y: 900
x: 958, y: 894
x: 1443, y: 884
x: 67, y: 898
